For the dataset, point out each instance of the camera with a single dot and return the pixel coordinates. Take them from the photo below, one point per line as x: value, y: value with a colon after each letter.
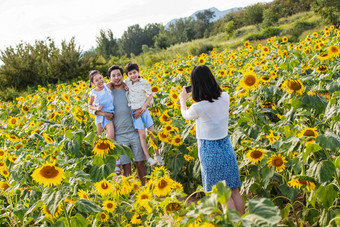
x: 188, y: 89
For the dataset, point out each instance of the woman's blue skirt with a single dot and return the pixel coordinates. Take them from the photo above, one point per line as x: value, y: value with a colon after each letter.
x: 218, y: 162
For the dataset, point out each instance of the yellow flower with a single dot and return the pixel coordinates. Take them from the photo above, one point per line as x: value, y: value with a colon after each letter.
x: 4, y: 173
x: 65, y: 97
x: 47, y: 213
x: 48, y: 175
x: 12, y: 121
x: 188, y: 158
x: 165, y: 118
x: 256, y: 155
x: 163, y: 186
x: 284, y: 39
x: 293, y: 86
x: 249, y: 81
x: 278, y: 161
x: 322, y: 69
x: 176, y: 140
x: 143, y: 197
x: 109, y: 205
x: 333, y: 51
x: 155, y: 89
x: 2, y: 165
x: 103, y: 147
x: 299, y: 181
x: 136, y: 219
x: 48, y: 139
x: 4, y: 185
x: 268, y: 105
x: 308, y: 132
x: 272, y: 138
x: 103, y: 217
x: 104, y: 187
x: 2, y: 154
x: 83, y: 195
x: 201, y: 60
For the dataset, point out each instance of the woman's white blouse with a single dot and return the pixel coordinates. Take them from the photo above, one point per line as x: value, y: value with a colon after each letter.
x: 211, y: 117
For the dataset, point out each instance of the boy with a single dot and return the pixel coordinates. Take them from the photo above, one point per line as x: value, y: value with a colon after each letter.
x: 139, y: 97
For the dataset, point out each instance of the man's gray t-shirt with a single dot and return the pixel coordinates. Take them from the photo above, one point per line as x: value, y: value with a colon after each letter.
x: 122, y: 119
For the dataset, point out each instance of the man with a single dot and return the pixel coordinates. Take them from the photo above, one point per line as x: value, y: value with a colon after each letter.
x: 124, y: 130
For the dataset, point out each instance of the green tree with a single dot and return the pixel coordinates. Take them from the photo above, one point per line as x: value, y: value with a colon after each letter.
x: 203, y: 23
x: 329, y: 10
x: 253, y: 14
x: 271, y: 16
x: 107, y: 45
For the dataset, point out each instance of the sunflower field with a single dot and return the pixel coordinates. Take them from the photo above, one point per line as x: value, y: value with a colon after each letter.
x: 284, y: 126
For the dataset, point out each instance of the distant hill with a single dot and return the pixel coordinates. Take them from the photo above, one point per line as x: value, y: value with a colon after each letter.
x: 218, y: 14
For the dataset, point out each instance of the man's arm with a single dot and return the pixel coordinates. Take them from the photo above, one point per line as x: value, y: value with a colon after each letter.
x: 108, y: 115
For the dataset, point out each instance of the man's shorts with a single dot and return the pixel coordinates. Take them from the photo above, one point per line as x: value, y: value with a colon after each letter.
x: 131, y: 140
x: 144, y: 121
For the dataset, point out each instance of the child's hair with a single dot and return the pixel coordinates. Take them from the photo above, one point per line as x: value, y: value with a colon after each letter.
x: 131, y: 66
x: 114, y: 67
x: 92, y: 73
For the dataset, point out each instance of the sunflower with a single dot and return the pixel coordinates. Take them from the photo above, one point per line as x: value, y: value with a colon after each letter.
x: 2, y: 165
x: 155, y: 89
x: 103, y: 217
x: 177, y: 185
x: 136, y: 219
x: 47, y: 213
x: 163, y: 186
x: 293, y: 86
x: 165, y: 118
x: 265, y: 49
x: 2, y: 154
x: 159, y: 172
x: 176, y: 140
x: 308, y: 132
x: 278, y: 161
x: 256, y: 155
x: 201, y: 60
x: 103, y: 147
x: 249, y: 81
x: 246, y: 43
x: 48, y: 139
x: 4, y: 173
x: 188, y: 158
x: 270, y: 105
x: 109, y: 205
x: 155, y: 112
x: 4, y: 185
x: 48, y: 175
x: 83, y: 195
x: 12, y: 121
x: 65, y: 97
x: 272, y: 138
x: 323, y: 56
x: 284, y: 39
x: 333, y: 51
x: 143, y: 197
x: 322, y: 69
x: 266, y: 78
x: 299, y: 181
x: 104, y: 187
x: 320, y: 93
x: 174, y: 97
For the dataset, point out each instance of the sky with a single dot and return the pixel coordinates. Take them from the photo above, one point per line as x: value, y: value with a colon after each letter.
x: 30, y: 20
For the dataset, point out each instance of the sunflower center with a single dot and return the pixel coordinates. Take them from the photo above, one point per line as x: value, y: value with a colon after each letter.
x: 334, y: 49
x: 109, y: 205
x: 104, y: 185
x: 256, y: 154
x: 304, y: 182
x: 13, y: 121
x: 103, y: 146
x: 162, y: 184
x: 5, y: 172
x: 49, y: 172
x: 2, y: 153
x: 144, y: 196
x: 250, y: 80
x: 103, y: 216
x: 173, y: 207
x: 309, y: 133
x: 177, y: 140
x: 294, y: 85
x: 2, y: 164
x: 266, y: 78
x: 277, y: 162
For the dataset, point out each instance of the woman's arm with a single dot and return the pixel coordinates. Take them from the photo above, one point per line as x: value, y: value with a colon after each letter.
x: 188, y: 114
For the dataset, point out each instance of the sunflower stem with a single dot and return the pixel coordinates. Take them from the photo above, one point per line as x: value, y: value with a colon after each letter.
x: 66, y: 214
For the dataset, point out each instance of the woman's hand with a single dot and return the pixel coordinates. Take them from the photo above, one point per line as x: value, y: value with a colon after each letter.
x: 183, y: 95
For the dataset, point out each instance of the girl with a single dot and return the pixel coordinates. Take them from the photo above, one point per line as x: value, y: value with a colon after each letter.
x: 101, y: 99
x: 211, y: 112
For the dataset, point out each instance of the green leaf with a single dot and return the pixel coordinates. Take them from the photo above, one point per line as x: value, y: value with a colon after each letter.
x: 267, y: 173
x: 20, y: 213
x: 324, y: 171
x: 87, y: 206
x: 90, y: 137
x: 316, y: 102
x: 329, y: 141
x: 52, y: 199
x: 79, y: 221
x: 175, y: 164
x: 285, y: 211
x: 337, y: 162
x: 69, y: 134
x: 284, y: 66
x: 61, y: 222
x: 34, y: 207
x: 289, y: 192
x: 223, y: 192
x: 327, y: 195
x: 311, y: 148
x: 262, y: 212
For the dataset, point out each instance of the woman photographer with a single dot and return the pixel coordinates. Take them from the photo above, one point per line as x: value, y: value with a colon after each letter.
x: 211, y: 114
